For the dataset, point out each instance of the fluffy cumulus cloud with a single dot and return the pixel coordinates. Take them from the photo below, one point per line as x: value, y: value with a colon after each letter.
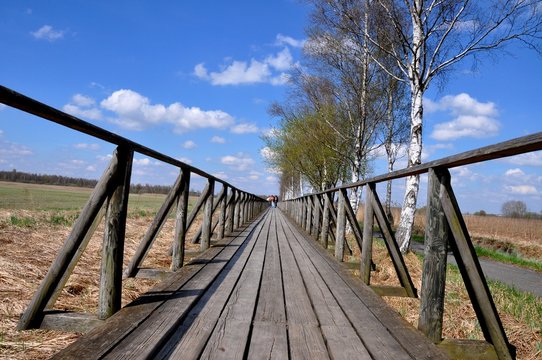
x: 135, y: 111
x: 240, y: 161
x: 471, y: 117
x: 47, y: 32
x: 84, y: 107
x: 273, y: 70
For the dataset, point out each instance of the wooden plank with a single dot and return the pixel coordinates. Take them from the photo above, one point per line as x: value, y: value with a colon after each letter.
x: 69, y: 321
x: 155, y: 274
x: 269, y: 338
x: 305, y: 338
x: 340, y: 337
x: 192, y: 335
x: 463, y: 349
x: 434, y: 263
x: 472, y: 274
x: 230, y: 337
x: 384, y: 333
x: 100, y: 340
x: 32, y: 315
x: 309, y: 222
x: 146, y: 340
x: 231, y: 212
x: 391, y: 244
x: 390, y: 291
x: 317, y: 217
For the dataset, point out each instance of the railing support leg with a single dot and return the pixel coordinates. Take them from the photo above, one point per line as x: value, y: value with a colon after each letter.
x: 114, y: 233
x: 181, y: 225
x: 367, y: 243
x: 207, y: 219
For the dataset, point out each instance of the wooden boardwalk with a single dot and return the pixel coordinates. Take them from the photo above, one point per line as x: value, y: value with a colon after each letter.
x: 267, y: 291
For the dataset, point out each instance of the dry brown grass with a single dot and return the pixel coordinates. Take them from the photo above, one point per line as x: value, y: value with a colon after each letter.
x: 28, y: 251
x: 459, y: 318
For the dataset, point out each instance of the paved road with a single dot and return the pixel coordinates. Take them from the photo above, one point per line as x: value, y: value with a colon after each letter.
x: 520, y: 278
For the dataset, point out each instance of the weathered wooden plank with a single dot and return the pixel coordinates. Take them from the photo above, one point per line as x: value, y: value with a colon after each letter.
x: 156, y: 274
x: 32, y: 315
x: 389, y: 290
x: 305, y: 338
x: 207, y: 224
x: 352, y: 219
x: 384, y: 332
x: 340, y: 337
x: 69, y: 321
x: 146, y: 340
x: 231, y: 212
x: 269, y: 338
x: 100, y: 340
x: 230, y: 337
x: 472, y: 274
x: 434, y: 263
x: 192, y: 335
x: 222, y: 216
x: 317, y: 212
x: 391, y: 244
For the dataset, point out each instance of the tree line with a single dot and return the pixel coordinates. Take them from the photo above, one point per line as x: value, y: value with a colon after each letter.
x: 44, y: 179
x: 359, y: 90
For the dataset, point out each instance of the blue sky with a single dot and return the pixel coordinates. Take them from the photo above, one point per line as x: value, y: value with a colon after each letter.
x: 194, y: 80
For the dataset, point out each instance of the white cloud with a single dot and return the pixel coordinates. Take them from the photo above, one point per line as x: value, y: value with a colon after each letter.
x: 83, y: 106
x: 9, y: 149
x: 142, y: 162
x: 266, y: 153
x: 91, y: 168
x: 472, y: 118
x: 136, y: 112
x: 254, y: 175
x: 514, y: 172
x: 87, y: 146
x: 521, y: 189
x: 271, y: 70
x: 240, y: 161
x: 288, y: 40
x: 3, y: 106
x: 529, y: 159
x: 218, y: 140
x: 1, y: 132
x: 189, y: 144
x: 221, y: 175
x: 46, y: 32
x: 244, y: 128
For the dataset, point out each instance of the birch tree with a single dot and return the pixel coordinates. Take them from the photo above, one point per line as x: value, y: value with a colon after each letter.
x: 435, y: 36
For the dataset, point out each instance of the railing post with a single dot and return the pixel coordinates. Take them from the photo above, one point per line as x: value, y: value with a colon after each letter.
x: 113, y: 245
x: 341, y: 227
x: 222, y: 215
x: 207, y: 218
x: 304, y: 210
x: 231, y: 212
x: 325, y: 220
x: 434, y: 264
x: 181, y: 214
x: 317, y: 214
x: 237, y: 215
x: 367, y: 243
x: 308, y: 222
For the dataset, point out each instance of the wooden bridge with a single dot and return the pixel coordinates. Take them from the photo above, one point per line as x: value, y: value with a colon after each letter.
x: 265, y: 286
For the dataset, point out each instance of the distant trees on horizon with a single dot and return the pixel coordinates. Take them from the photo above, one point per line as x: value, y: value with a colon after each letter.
x: 45, y: 179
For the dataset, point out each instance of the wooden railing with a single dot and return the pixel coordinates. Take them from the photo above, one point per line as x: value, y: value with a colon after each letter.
x: 234, y: 207
x: 317, y: 213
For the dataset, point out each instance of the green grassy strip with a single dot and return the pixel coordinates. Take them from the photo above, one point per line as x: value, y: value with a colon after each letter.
x: 499, y: 256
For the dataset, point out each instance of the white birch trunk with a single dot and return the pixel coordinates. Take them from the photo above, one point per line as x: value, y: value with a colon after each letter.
x: 406, y: 222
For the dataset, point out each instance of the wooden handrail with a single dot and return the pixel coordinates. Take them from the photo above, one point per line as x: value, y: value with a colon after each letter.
x: 19, y: 101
